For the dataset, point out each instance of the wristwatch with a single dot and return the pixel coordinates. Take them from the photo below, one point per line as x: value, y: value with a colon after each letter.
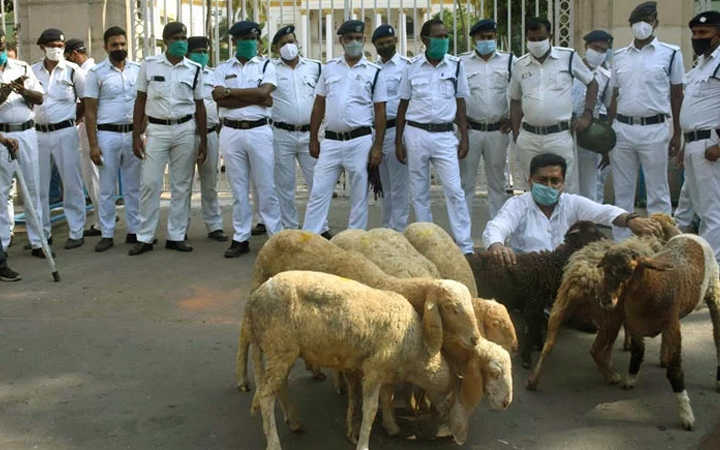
x: 227, y: 92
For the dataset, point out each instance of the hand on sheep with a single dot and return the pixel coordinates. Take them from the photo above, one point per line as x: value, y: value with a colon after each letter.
x: 642, y: 226
x: 503, y: 256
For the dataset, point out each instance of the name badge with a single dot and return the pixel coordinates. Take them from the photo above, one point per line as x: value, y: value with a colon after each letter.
x: 158, y: 78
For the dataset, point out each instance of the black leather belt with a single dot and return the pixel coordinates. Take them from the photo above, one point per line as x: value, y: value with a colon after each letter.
x: 652, y: 120
x: 213, y: 129
x: 390, y: 123
x: 698, y: 135
x: 10, y: 127
x: 155, y: 121
x: 117, y: 128
x: 244, y: 124
x: 55, y: 126
x: 484, y: 126
x: 562, y: 126
x: 432, y: 127
x: 347, y: 135
x: 290, y: 127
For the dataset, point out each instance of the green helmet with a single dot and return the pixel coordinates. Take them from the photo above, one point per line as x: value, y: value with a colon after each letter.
x: 599, y: 137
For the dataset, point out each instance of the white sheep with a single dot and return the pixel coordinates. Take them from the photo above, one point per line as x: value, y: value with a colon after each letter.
x: 338, y: 323
x: 436, y: 245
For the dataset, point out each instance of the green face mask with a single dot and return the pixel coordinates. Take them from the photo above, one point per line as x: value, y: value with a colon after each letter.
x: 200, y: 58
x: 246, y: 49
x: 178, y: 48
x: 438, y: 47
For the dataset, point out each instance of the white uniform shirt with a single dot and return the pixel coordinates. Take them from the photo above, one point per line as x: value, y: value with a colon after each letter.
x: 433, y: 90
x: 88, y: 64
x: 701, y: 105
x: 392, y: 72
x: 169, y: 87
x: 211, y: 106
x: 489, y: 82
x: 115, y: 91
x: 235, y: 75
x: 530, y: 230
x: 349, y: 94
x: 15, y: 109
x: 63, y: 87
x: 602, y: 76
x: 644, y: 77
x: 295, y: 93
x: 545, y: 90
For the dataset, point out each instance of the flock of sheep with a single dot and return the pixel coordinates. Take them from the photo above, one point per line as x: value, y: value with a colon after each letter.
x: 404, y: 319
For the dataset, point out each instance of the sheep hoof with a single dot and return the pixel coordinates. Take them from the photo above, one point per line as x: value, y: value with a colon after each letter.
x: 352, y: 436
x: 243, y: 387
x: 687, y: 425
x: 295, y: 427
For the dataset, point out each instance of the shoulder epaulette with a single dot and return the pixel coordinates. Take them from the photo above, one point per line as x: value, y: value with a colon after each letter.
x: 154, y: 58
x: 372, y: 64
x: 670, y: 46
x: 333, y: 60
x: 316, y: 61
x: 453, y: 58
x: 132, y: 63
x: 416, y: 58
x: 604, y: 71
x: 192, y: 63
x: 620, y: 50
x: 523, y: 58
x: 567, y: 49
x: 405, y: 58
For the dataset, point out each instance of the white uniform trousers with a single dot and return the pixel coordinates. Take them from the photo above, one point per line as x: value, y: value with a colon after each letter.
x: 353, y: 156
x: 639, y: 146
x: 117, y: 157
x: 684, y: 213
x: 529, y: 145
x: 702, y: 178
x: 492, y: 147
x: 173, y: 145
x: 28, y: 159
x: 63, y: 146
x: 7, y: 218
x: 90, y: 172
x: 440, y: 149
x: 249, y: 154
x: 290, y: 146
x: 588, y: 173
x: 208, y: 173
x: 394, y: 179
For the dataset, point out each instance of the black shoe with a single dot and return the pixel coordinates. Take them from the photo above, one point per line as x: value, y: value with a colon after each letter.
x: 140, y: 248
x: 74, y: 243
x: 104, y: 244
x: 28, y: 246
x: 7, y: 274
x: 218, y: 235
x: 237, y: 248
x: 180, y: 246
x: 38, y: 253
x: 258, y: 230
x: 327, y: 235
x: 92, y: 231
x: 131, y: 238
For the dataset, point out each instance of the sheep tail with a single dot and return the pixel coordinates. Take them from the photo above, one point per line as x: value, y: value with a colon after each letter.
x: 241, y: 359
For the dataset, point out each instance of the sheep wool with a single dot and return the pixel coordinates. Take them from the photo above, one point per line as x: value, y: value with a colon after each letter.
x: 495, y: 323
x: 436, y: 245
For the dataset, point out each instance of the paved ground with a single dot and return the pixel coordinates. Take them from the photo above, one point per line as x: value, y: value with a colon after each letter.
x: 138, y: 353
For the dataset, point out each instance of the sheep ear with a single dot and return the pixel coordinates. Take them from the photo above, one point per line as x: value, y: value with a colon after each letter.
x: 654, y: 264
x: 432, y: 327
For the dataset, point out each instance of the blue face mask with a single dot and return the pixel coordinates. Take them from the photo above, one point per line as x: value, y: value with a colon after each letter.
x: 3, y: 57
x: 544, y: 195
x: 485, y: 47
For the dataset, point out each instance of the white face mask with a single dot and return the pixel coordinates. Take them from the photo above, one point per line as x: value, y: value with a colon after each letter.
x: 642, y: 30
x: 539, y: 48
x: 54, y: 53
x: 594, y: 58
x: 289, y: 51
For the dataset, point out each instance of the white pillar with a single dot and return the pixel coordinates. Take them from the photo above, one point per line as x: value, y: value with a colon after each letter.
x: 403, y: 33
x: 329, y: 35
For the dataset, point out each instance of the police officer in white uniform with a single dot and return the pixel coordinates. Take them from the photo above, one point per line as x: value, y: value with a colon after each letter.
x: 110, y: 91
x: 169, y: 95
x: 11, y: 146
x: 19, y: 92
x: 700, y: 121
x: 293, y: 99
x: 198, y: 47
x: 541, y: 98
x: 393, y: 174
x: 488, y: 72
x: 243, y: 87
x: 64, y: 84
x: 591, y: 164
x: 647, y: 80
x: 76, y: 52
x: 350, y: 91
x: 433, y: 92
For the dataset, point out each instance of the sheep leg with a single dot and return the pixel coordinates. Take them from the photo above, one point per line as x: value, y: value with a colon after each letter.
x: 288, y: 408
x: 712, y: 299
x: 533, y: 325
x: 677, y: 378
x: 259, y: 373
x: 352, y: 381
x: 664, y: 355
x: 601, y: 350
x: 627, y: 344
x: 241, y: 380
x: 557, y: 317
x: 275, y: 375
x: 636, y: 358
x: 371, y: 393
x: 338, y: 382
x: 388, y: 414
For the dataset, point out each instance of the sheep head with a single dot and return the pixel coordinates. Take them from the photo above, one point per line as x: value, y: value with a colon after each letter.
x: 495, y: 323
x: 618, y: 267
x: 459, y: 326
x: 582, y: 233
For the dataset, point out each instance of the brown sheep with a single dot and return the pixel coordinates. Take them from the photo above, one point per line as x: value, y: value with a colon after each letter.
x: 654, y: 293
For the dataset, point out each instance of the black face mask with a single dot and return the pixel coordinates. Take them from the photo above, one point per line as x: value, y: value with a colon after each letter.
x: 701, y: 46
x: 386, y: 51
x: 118, y: 55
